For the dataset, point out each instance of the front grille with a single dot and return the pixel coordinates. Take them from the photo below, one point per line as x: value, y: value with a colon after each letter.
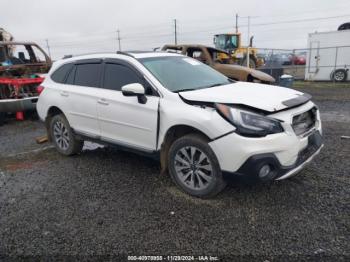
x: 304, y: 122
x: 314, y: 143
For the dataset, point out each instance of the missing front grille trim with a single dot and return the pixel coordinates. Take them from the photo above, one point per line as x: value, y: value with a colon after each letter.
x: 304, y: 122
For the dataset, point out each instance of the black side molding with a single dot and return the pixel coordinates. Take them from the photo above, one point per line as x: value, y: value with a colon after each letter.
x: 302, y: 99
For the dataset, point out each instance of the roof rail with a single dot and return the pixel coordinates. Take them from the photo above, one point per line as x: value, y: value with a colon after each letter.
x: 118, y: 52
x: 124, y: 53
x: 67, y: 56
x: 83, y: 54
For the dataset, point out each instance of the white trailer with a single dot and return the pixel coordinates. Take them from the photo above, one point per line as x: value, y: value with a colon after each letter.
x: 328, y: 56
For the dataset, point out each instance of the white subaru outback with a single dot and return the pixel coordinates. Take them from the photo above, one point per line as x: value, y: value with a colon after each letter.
x: 197, y: 122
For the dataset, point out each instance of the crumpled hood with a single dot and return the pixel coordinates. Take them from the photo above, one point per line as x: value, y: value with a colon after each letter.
x: 264, y: 97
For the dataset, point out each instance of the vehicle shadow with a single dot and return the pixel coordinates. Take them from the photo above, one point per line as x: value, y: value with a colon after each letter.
x: 144, y: 170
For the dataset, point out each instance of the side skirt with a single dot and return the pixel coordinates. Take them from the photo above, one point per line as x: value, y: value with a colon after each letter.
x: 150, y: 154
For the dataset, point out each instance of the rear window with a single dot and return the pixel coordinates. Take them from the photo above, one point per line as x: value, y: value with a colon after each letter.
x: 88, y: 75
x: 60, y: 74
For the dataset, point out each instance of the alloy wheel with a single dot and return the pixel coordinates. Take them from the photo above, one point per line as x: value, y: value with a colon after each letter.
x: 61, y: 136
x: 339, y: 76
x: 193, y: 168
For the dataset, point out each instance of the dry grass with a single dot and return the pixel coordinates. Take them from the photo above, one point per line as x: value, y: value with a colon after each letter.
x: 302, y: 84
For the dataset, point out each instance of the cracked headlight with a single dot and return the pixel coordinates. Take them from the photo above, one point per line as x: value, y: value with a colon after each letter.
x: 248, y: 123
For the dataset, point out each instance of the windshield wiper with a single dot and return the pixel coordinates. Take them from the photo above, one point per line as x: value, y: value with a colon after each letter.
x: 214, y: 85
x: 203, y: 87
x: 184, y: 90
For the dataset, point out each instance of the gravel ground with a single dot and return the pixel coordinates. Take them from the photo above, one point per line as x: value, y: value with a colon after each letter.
x: 106, y: 202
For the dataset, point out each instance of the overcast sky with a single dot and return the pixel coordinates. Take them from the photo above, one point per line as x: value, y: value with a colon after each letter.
x: 80, y: 26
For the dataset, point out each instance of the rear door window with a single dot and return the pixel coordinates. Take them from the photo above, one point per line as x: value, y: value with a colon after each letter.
x: 60, y: 74
x: 71, y: 75
x: 88, y: 75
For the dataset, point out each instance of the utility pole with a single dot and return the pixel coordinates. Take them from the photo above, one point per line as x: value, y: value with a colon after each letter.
x: 48, y: 47
x: 236, y: 23
x: 248, y: 30
x: 175, y: 31
x: 248, y: 51
x: 118, y: 39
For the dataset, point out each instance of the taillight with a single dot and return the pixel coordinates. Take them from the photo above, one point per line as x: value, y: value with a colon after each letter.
x: 39, y: 89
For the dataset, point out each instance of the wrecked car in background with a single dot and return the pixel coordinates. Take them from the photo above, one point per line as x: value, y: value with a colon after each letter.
x: 214, y: 58
x: 22, y: 69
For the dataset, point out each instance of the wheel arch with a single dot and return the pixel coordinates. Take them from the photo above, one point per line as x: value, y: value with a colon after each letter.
x: 250, y: 78
x: 173, y: 133
x: 51, y: 112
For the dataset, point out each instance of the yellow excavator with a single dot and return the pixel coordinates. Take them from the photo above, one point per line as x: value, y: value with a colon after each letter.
x: 231, y: 43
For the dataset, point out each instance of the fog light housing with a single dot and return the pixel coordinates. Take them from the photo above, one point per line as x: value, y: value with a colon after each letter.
x: 265, y: 171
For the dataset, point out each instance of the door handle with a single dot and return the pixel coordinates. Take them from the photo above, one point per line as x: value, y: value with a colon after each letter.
x: 64, y: 93
x: 103, y: 101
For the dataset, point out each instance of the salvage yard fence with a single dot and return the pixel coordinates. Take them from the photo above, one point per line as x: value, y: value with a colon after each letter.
x: 312, y: 64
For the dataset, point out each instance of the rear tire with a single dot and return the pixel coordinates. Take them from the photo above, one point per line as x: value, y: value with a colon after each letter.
x: 194, y: 167
x: 63, y: 137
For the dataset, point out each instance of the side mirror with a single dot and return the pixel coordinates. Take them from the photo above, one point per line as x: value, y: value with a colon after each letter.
x: 135, y: 89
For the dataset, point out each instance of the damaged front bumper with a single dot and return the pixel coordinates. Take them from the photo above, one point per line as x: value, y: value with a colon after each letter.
x: 254, y: 165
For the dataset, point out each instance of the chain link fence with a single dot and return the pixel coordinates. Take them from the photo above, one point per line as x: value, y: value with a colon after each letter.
x: 311, y: 64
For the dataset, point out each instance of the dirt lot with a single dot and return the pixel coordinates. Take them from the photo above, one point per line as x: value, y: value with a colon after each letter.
x: 108, y: 202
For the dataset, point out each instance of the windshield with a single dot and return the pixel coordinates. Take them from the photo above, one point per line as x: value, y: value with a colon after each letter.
x: 178, y: 73
x: 226, y: 41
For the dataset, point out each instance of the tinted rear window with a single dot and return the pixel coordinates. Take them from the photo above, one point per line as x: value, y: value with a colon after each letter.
x: 60, y: 74
x: 88, y: 75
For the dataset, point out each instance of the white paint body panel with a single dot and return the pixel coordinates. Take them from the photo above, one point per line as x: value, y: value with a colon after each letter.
x: 265, y: 97
x: 80, y: 105
x: 123, y: 120
x: 173, y: 112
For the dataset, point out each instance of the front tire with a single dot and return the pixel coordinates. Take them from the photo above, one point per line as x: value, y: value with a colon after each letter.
x: 193, y: 166
x: 63, y: 137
